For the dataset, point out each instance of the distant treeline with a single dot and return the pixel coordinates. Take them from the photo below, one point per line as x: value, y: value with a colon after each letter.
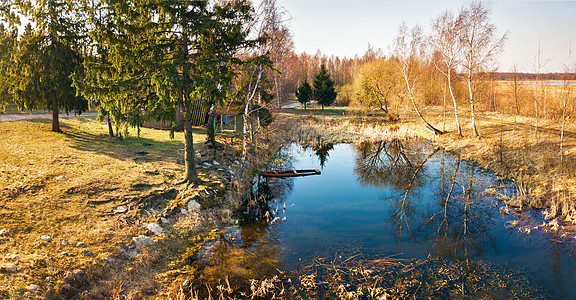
x: 533, y: 76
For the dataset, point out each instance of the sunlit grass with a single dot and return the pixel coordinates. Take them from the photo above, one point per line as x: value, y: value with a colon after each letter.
x: 49, y: 183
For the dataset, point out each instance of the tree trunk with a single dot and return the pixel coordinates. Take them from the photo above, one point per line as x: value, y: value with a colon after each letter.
x: 55, y: 121
x: 190, y: 174
x: 411, y: 96
x: 472, y: 112
x: 245, y: 134
x: 455, y: 104
x: 277, y: 92
x: 110, y: 129
x: 210, y: 127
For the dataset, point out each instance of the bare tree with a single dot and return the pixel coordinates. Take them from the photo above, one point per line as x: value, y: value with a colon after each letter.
x: 515, y: 88
x: 567, y: 92
x: 268, y: 26
x: 537, y: 65
x: 444, y: 41
x: 408, y: 51
x: 278, y: 43
x: 480, y: 47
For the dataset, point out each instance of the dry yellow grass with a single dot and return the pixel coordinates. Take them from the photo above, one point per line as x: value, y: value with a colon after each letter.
x: 85, y: 187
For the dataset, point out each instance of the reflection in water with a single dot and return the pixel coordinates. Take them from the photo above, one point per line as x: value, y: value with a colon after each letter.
x: 455, y: 223
x: 323, y: 152
x: 387, y: 164
x: 415, y: 212
x: 241, y: 254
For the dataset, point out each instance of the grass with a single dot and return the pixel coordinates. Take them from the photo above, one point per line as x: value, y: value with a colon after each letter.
x: 68, y: 186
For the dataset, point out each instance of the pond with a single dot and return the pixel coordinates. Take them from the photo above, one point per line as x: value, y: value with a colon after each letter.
x: 397, y: 218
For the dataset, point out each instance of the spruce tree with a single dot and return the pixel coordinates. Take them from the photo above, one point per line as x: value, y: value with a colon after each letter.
x: 8, y: 39
x: 324, y: 91
x: 165, y: 55
x: 46, y: 58
x: 304, y: 93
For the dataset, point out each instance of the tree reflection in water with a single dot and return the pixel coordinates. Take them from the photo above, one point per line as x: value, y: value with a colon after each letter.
x: 437, y: 215
x: 452, y: 222
x: 251, y: 250
x: 322, y: 150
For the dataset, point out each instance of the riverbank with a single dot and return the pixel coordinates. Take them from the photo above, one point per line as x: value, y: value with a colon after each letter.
x: 87, y: 215
x: 510, y: 146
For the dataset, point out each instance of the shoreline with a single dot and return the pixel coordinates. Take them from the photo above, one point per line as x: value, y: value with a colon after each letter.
x: 508, y: 146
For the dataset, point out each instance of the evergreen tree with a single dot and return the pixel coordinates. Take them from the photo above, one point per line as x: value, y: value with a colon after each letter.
x: 324, y: 91
x: 8, y: 39
x: 304, y: 93
x: 166, y: 55
x: 46, y: 58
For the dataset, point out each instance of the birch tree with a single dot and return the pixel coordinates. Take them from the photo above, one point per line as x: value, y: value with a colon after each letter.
x: 480, y: 48
x: 408, y: 52
x: 444, y: 41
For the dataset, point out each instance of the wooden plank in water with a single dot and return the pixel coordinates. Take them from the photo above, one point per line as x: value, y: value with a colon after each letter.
x: 289, y: 173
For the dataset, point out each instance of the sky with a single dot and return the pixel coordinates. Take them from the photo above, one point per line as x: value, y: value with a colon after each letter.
x: 345, y: 28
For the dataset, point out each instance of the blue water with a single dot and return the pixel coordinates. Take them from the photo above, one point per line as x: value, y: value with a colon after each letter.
x: 392, y: 199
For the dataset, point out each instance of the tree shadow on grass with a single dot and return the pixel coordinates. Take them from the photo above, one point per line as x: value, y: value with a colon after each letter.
x: 137, y: 149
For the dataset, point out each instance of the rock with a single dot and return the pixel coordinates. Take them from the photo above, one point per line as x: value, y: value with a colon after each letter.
x: 64, y: 253
x: 77, y: 276
x: 8, y: 267
x: 87, y: 252
x: 120, y: 209
x: 12, y: 257
x: 154, y: 227
x: 64, y: 242
x: 4, y: 232
x: 33, y: 288
x: 80, y: 245
x: 62, y: 178
x: 109, y: 260
x: 46, y: 238
x: 142, y: 240
x: 193, y: 205
x: 129, y: 252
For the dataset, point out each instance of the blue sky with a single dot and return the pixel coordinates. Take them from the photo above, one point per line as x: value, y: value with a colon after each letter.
x: 346, y: 27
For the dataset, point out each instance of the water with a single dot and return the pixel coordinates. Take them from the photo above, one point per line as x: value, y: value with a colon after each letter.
x: 400, y: 199
x: 542, y: 83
